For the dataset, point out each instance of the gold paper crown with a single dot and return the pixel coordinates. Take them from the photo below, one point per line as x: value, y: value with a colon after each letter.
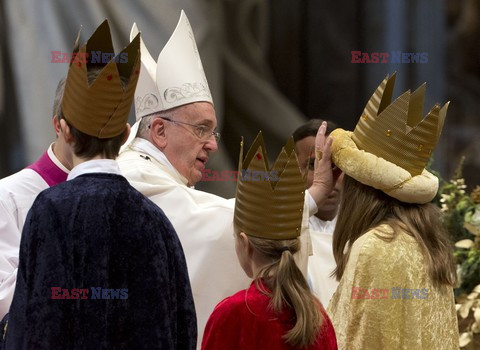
x: 101, y: 108
x: 269, y: 203
x: 397, y: 132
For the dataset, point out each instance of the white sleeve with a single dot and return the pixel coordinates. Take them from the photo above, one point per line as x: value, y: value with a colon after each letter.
x: 312, y: 206
x: 9, y: 247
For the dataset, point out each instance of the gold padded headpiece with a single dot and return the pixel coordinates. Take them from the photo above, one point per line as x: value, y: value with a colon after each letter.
x: 391, y: 144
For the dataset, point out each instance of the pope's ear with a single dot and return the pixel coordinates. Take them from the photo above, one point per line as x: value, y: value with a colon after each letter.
x: 158, y: 133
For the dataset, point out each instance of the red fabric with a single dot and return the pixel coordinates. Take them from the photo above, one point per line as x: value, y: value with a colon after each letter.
x: 244, y: 322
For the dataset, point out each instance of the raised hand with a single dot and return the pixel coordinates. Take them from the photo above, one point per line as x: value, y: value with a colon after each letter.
x: 324, y: 177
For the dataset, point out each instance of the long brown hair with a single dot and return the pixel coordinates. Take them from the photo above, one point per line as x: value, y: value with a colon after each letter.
x: 288, y: 288
x: 363, y: 208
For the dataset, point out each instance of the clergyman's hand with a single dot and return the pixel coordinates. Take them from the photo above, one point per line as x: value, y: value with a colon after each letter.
x: 324, y: 177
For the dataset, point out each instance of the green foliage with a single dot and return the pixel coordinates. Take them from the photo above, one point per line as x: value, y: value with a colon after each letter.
x: 462, y: 220
x: 469, y: 261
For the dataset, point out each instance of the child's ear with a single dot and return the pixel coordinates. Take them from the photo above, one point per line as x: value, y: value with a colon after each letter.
x: 126, y: 133
x: 243, y: 238
x: 56, y: 125
x: 246, y: 243
x: 65, y: 131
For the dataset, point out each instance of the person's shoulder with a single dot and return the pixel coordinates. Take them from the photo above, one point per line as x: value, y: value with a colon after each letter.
x: 384, y: 244
x: 230, y: 305
x: 50, y: 196
x: 142, y: 168
x: 127, y: 154
x: 222, y: 324
x: 129, y: 191
x: 131, y: 158
x: 143, y: 208
x: 379, y: 235
x: 23, y: 180
x: 19, y: 175
x: 385, y: 236
x: 372, y: 244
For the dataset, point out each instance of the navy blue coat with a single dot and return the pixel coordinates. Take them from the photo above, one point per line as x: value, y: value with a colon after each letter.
x: 101, y: 267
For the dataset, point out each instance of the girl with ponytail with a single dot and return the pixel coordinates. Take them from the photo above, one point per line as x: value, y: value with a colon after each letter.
x: 278, y: 310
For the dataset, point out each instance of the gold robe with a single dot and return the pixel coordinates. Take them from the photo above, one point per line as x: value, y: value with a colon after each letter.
x: 386, y: 300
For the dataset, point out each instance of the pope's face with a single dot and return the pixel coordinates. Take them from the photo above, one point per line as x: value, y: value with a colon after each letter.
x: 184, y: 149
x: 306, y: 159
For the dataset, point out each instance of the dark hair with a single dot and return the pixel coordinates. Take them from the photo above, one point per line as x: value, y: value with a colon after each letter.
x: 364, y: 208
x: 86, y: 146
x: 58, y: 98
x: 311, y: 127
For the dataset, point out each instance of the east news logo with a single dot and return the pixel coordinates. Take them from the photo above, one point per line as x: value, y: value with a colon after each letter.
x: 386, y: 57
x: 84, y: 293
x: 82, y: 57
x: 384, y: 293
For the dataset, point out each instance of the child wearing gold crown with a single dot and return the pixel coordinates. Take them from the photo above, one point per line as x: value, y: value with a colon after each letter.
x: 394, y: 260
x: 278, y: 311
x: 101, y: 266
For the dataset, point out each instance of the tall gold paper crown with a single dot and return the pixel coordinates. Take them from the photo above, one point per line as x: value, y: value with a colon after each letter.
x: 271, y: 208
x: 396, y: 131
x: 101, y: 108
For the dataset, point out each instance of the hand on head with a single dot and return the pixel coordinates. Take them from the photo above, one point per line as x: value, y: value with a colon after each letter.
x: 325, y: 175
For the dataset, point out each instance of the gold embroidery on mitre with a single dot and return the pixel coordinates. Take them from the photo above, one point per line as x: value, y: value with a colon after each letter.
x: 405, y: 125
x: 101, y: 108
x: 271, y: 207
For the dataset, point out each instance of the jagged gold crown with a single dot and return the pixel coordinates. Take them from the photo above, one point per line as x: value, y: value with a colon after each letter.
x: 101, y: 108
x: 269, y: 203
x: 396, y: 131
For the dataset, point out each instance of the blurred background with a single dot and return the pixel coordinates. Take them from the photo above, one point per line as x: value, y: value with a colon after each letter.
x: 271, y: 65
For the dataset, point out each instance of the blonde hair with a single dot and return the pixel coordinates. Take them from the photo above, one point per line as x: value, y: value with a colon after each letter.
x: 363, y: 208
x: 288, y: 288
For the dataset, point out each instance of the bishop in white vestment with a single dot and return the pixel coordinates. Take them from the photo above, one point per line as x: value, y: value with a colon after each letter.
x: 17, y: 193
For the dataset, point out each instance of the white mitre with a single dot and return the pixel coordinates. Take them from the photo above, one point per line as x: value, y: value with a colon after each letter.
x: 176, y: 79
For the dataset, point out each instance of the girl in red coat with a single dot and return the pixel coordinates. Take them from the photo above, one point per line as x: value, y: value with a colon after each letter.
x: 278, y: 310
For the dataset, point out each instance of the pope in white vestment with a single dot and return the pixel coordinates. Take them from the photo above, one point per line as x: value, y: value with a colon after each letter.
x: 203, y: 221
x: 17, y: 193
x: 164, y: 157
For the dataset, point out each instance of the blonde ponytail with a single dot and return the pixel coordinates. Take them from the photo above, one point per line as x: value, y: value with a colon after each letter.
x: 289, y: 288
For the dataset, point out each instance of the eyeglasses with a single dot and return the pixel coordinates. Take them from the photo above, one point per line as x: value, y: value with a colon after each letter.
x: 201, y: 131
